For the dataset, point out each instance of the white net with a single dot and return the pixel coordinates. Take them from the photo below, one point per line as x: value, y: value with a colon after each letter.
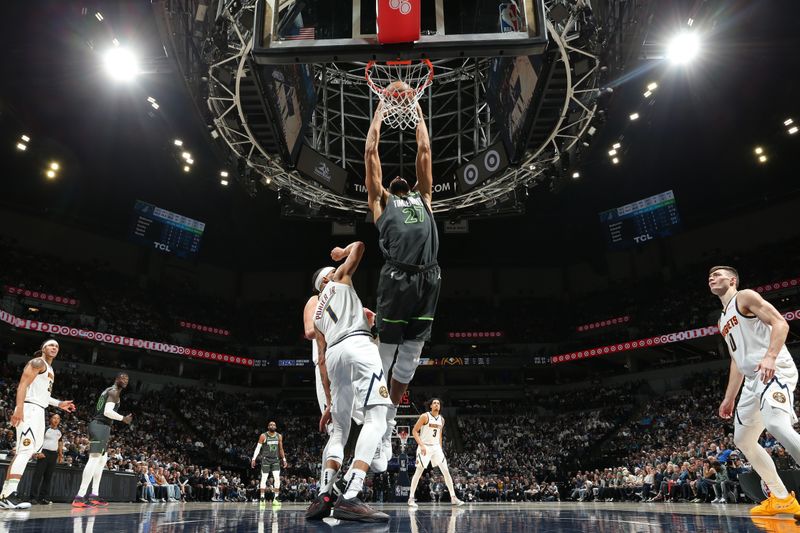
x: 399, y: 86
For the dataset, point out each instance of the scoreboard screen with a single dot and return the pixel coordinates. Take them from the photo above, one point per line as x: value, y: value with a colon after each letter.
x: 166, y: 231
x: 642, y: 221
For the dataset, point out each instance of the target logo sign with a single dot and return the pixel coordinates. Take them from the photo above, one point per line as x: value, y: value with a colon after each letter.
x: 403, y: 6
x: 491, y: 160
x: 471, y: 174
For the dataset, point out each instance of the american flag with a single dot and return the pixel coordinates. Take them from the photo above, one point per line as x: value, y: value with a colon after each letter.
x: 306, y: 32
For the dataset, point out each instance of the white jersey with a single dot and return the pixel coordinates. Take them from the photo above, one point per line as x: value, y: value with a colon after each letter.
x: 431, y: 432
x: 315, y: 352
x: 748, y: 339
x: 339, y: 313
x: 40, y: 388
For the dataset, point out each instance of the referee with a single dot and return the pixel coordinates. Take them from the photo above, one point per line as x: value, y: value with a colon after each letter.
x: 52, y: 452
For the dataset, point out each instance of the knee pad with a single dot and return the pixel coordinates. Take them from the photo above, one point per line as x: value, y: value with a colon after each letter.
x: 387, y: 352
x: 407, y: 361
x: 335, y: 448
x: 263, y: 483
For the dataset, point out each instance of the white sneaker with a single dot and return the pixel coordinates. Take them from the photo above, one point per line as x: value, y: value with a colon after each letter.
x: 412, y: 503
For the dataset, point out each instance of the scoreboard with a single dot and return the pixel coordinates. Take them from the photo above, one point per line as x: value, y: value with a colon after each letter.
x: 166, y: 231
x: 638, y: 222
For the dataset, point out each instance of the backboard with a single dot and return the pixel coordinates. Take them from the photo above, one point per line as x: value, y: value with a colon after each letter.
x: 323, y: 31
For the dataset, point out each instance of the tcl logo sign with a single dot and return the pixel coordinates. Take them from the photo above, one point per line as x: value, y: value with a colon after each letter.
x: 162, y: 247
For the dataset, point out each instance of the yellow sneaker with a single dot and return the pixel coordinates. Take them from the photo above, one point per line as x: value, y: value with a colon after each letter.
x: 775, y: 525
x: 773, y: 506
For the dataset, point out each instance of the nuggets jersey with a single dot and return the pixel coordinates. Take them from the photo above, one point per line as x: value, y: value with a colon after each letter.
x: 339, y: 313
x: 430, y: 432
x: 315, y: 352
x: 40, y: 388
x: 748, y: 339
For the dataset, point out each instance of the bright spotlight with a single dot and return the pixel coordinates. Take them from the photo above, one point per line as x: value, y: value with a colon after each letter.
x: 612, y: 152
x: 190, y: 161
x: 652, y: 86
x: 223, y: 173
x: 648, y: 94
x: 99, y: 16
x: 51, y: 174
x: 267, y: 180
x: 224, y: 183
x: 792, y: 130
x: 27, y: 139
x: 22, y: 146
x: 787, y: 122
x: 615, y: 161
x: 759, y: 150
x: 186, y: 155
x: 54, y: 166
x: 121, y: 64
x: 178, y: 142
x: 186, y: 168
x: 616, y: 146
x: 634, y: 116
x: 683, y: 48
x: 576, y: 175
x: 762, y: 159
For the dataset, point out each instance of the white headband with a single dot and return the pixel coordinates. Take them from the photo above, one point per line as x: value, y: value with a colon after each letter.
x: 322, y: 273
x: 48, y: 342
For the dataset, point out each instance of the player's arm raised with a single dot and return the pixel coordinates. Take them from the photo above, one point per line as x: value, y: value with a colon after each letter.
x: 753, y: 302
x: 352, y: 254
x: 308, y: 318
x: 326, y: 382
x: 421, y: 421
x: 376, y: 194
x: 424, y: 183
x: 32, y: 369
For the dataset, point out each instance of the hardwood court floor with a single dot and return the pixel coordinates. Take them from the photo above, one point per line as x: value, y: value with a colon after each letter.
x: 428, y: 518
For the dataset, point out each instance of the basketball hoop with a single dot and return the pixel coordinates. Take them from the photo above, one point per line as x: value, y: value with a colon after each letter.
x: 399, y: 86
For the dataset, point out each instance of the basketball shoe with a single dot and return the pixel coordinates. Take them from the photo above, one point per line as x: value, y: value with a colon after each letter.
x: 773, y: 506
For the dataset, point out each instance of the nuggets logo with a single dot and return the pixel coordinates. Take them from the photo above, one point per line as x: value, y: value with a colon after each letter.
x: 26, y: 441
x: 779, y: 397
x: 383, y: 391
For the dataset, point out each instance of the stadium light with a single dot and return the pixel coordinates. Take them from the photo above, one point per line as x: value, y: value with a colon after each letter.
x: 121, y: 64
x: 762, y: 158
x: 190, y: 161
x: 268, y: 180
x: 223, y: 173
x: 616, y: 146
x: 612, y: 152
x: 54, y: 166
x: 648, y: 94
x: 186, y: 155
x: 223, y: 182
x: 21, y: 146
x: 634, y: 116
x: 177, y: 142
x: 99, y: 16
x: 759, y: 150
x: 652, y: 86
x: 115, y: 41
x: 576, y: 175
x: 615, y: 161
x: 683, y: 48
x: 51, y: 174
x: 788, y: 122
x: 25, y: 138
x: 792, y: 130
x: 186, y: 168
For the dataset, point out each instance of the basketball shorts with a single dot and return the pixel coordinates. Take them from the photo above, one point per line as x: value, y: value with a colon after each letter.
x: 407, y: 303
x: 356, y: 374
x: 433, y: 455
x: 98, y: 437
x: 268, y: 465
x: 778, y: 393
x: 357, y: 414
x: 30, y: 432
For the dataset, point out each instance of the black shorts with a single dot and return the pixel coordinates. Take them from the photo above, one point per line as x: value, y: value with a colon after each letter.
x: 407, y: 303
x: 98, y: 437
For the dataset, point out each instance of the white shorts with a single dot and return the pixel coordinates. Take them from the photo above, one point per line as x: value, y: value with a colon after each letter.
x: 356, y: 414
x: 778, y: 393
x: 433, y: 454
x: 356, y: 374
x: 30, y: 432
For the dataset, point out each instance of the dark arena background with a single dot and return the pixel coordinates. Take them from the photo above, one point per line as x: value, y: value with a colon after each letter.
x: 174, y: 172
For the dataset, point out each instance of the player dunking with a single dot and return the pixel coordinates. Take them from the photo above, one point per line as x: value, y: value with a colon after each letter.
x: 270, y: 445
x: 350, y: 367
x: 99, y: 432
x: 756, y: 336
x: 33, y: 397
x: 428, y: 432
x: 408, y: 287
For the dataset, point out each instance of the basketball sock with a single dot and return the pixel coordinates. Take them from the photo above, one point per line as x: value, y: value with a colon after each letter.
x: 780, y: 425
x: 415, y: 481
x: 746, y: 439
x: 88, y: 473
x: 371, y: 433
x: 9, y: 486
x: 448, y: 480
x: 354, y: 483
x: 98, y: 473
x: 328, y: 479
